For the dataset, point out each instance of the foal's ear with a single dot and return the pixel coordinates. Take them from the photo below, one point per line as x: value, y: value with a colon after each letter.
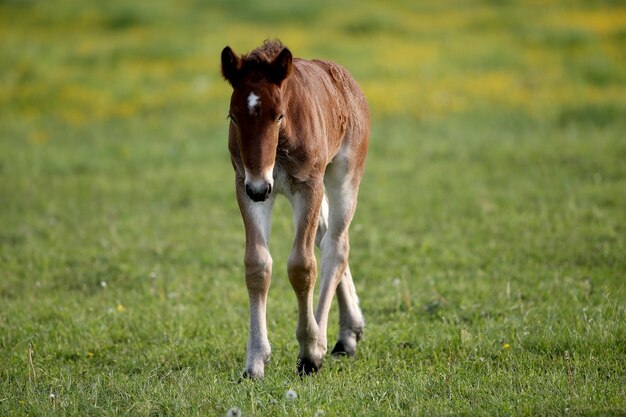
x: 280, y: 68
x: 231, y: 66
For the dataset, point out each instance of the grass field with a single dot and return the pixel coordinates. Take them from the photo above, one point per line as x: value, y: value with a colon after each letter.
x: 488, y: 247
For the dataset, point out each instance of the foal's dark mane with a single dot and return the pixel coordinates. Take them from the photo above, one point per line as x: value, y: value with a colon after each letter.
x: 258, y: 62
x: 265, y: 53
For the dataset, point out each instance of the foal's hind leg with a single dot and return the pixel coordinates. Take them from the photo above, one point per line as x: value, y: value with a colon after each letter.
x: 351, y: 321
x: 342, y: 188
x: 350, y: 317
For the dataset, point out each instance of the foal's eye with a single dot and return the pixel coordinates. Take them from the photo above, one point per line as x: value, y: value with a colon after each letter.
x: 232, y: 119
x: 280, y: 119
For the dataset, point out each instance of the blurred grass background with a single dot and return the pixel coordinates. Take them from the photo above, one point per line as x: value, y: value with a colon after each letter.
x: 492, y: 212
x: 84, y: 62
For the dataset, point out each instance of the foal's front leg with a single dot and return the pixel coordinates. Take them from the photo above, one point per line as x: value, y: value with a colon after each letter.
x: 302, y: 270
x: 258, y: 265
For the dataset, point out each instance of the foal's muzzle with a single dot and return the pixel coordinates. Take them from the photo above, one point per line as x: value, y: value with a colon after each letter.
x: 259, y: 192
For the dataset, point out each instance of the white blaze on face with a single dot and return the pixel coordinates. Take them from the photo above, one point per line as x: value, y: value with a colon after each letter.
x: 253, y: 103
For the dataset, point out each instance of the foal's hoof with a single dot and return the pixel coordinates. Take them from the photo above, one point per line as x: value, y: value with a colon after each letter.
x: 245, y: 375
x: 346, y: 347
x: 248, y: 375
x: 307, y: 366
x: 341, y: 349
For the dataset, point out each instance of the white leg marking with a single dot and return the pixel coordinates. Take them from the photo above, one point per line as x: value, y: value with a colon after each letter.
x: 322, y: 225
x: 335, y: 250
x: 351, y: 321
x: 258, y: 262
x: 261, y: 215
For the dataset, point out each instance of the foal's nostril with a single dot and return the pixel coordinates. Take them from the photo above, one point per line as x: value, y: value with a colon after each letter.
x: 259, y: 193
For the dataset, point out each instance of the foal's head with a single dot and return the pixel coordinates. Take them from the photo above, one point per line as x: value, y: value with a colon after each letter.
x: 257, y: 110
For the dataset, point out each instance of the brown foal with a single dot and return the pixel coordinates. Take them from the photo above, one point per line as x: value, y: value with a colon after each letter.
x: 299, y: 128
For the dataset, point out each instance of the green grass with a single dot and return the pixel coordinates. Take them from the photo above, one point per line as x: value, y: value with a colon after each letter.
x: 487, y: 249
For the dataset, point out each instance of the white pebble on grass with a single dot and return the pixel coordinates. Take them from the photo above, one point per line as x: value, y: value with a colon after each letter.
x: 291, y: 395
x: 233, y: 412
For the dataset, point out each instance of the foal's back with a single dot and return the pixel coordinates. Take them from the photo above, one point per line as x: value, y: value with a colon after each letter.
x: 328, y: 110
